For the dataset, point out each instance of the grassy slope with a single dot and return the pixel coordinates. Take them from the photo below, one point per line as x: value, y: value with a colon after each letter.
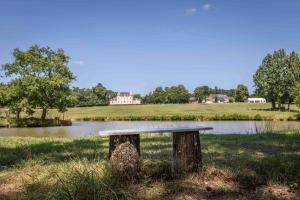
x: 208, y: 111
x: 235, y: 165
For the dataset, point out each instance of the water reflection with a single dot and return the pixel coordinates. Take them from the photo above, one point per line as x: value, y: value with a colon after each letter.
x: 79, y: 129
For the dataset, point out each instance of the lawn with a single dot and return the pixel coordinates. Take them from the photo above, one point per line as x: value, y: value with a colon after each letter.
x: 177, y: 112
x: 263, y: 166
x: 234, y: 111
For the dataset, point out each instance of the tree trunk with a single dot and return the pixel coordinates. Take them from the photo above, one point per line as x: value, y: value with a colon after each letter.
x: 187, y: 151
x: 44, y: 113
x: 18, y: 114
x: 115, y: 140
x: 273, y: 105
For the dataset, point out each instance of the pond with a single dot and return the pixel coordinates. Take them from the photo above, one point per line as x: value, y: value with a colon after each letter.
x: 82, y: 128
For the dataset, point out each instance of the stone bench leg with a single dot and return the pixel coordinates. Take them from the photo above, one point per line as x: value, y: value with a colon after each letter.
x: 187, y: 151
x: 115, y: 140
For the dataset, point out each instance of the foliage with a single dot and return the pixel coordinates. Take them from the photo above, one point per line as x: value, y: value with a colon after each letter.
x: 241, y: 93
x: 177, y: 94
x: 201, y: 93
x: 277, y: 76
x: 3, y: 94
x: 95, y: 96
x: 41, y: 79
x: 173, y: 94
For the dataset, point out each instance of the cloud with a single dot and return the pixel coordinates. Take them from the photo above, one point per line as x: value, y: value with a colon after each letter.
x: 191, y: 11
x: 207, y: 7
x: 79, y: 62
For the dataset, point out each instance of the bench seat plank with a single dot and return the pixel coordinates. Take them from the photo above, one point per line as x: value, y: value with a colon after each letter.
x: 173, y: 129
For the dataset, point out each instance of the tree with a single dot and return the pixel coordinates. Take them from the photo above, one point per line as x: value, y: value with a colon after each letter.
x: 159, y: 96
x: 3, y: 94
x: 45, y: 74
x: 241, y: 93
x: 201, y: 93
x: 276, y: 76
x: 102, y: 94
x: 177, y: 94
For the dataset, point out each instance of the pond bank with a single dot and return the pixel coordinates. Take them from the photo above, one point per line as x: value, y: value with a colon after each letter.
x: 227, y: 117
x: 33, y: 122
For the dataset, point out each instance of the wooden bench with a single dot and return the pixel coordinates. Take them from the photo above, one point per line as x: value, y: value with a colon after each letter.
x: 186, y: 143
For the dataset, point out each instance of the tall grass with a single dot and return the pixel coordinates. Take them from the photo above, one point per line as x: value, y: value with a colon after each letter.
x: 79, y: 181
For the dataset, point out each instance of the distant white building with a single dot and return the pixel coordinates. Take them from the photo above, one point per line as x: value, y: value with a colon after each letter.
x: 124, y: 98
x: 256, y: 100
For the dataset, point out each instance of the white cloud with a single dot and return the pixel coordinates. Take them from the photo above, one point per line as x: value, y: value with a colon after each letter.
x: 79, y: 62
x: 191, y: 11
x: 207, y: 7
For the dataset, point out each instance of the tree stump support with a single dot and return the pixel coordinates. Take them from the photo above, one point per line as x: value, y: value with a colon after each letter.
x: 187, y: 151
x: 115, y: 140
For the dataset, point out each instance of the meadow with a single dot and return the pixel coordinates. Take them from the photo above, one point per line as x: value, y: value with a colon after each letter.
x: 262, y: 166
x: 234, y: 111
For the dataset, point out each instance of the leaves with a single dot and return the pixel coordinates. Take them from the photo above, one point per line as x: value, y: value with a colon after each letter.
x: 41, y: 77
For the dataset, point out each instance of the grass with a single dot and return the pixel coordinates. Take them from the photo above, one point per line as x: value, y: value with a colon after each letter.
x: 232, y: 111
x: 264, y: 166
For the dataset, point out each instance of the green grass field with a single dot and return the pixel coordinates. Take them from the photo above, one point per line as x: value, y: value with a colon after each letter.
x: 235, y: 111
x: 263, y: 166
x: 178, y: 111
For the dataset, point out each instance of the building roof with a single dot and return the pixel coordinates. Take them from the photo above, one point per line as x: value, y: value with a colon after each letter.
x: 124, y: 93
x: 220, y: 97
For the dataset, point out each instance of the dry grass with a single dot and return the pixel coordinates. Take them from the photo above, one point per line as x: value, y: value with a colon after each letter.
x: 236, y: 167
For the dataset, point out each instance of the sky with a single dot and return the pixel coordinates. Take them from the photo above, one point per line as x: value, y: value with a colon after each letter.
x: 136, y: 45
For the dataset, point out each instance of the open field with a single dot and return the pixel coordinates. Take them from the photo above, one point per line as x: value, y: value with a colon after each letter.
x: 179, y: 111
x: 263, y: 166
x: 234, y: 111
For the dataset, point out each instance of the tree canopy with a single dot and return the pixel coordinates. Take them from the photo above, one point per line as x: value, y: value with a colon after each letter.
x: 277, y: 76
x: 40, y: 77
x: 201, y: 93
x: 241, y: 93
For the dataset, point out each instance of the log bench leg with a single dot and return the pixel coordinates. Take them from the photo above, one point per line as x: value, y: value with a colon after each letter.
x: 115, y: 140
x: 187, y: 151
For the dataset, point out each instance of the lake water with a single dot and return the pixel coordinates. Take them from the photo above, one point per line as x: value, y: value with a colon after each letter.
x: 80, y: 128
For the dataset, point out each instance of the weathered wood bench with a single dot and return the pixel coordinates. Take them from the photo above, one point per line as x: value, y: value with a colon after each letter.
x: 186, y: 143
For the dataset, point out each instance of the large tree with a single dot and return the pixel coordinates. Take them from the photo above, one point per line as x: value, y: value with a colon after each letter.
x: 45, y: 75
x: 177, y: 94
x: 201, y: 93
x: 276, y: 76
x: 159, y: 96
x: 241, y: 93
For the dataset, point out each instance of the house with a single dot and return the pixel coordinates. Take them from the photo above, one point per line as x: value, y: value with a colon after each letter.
x: 217, y: 98
x: 124, y: 98
x: 193, y: 100
x: 256, y: 100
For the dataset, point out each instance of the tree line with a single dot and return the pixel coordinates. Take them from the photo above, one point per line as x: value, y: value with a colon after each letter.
x: 179, y: 94
x: 40, y: 78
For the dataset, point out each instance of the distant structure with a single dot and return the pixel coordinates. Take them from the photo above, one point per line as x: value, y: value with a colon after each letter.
x: 124, y: 98
x: 217, y: 98
x: 193, y: 100
x: 256, y: 100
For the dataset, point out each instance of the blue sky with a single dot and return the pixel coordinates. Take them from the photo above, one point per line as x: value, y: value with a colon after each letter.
x: 138, y: 45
